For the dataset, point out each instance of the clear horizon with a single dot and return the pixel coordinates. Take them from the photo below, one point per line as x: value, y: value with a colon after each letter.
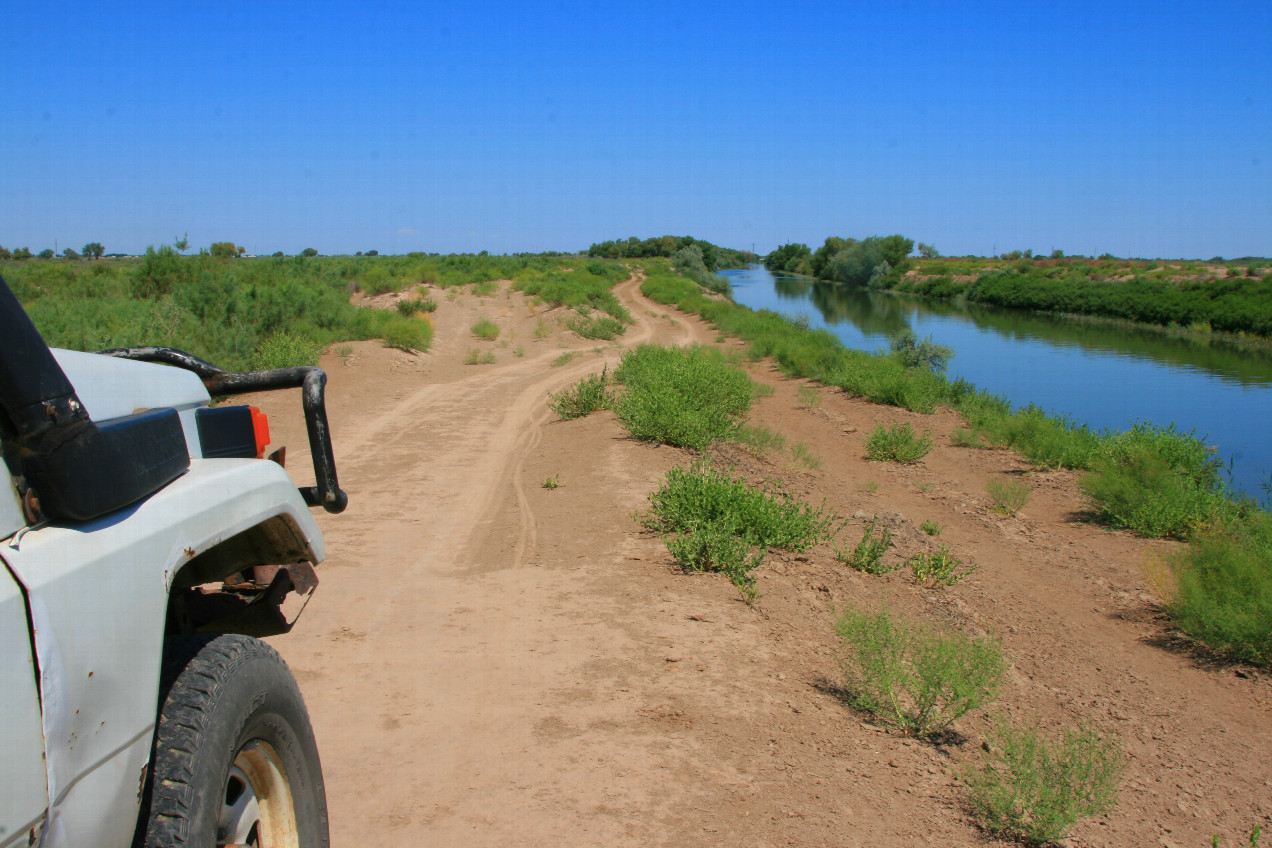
x: 1137, y: 129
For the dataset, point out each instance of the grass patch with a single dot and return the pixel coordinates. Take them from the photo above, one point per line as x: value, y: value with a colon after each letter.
x: 1222, y: 590
x: 759, y: 439
x: 478, y: 357
x: 686, y: 397
x: 486, y: 329
x: 809, y: 396
x: 1009, y: 496
x: 765, y: 516
x: 584, y: 397
x: 897, y: 443
x: 1036, y: 788
x: 553, y: 482
x: 804, y: 456
x: 284, y: 350
x: 867, y: 556
x: 713, y: 522
x: 914, y: 677
x: 409, y: 307
x: 596, y: 327
x: 964, y: 438
x: 486, y: 288
x: 931, y: 528
x: 939, y: 568
x: 406, y: 334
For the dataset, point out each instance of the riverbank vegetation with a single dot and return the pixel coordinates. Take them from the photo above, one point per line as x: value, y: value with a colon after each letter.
x: 1233, y: 297
x: 1154, y: 481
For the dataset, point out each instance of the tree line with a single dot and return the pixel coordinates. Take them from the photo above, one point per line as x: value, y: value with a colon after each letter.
x: 876, y: 261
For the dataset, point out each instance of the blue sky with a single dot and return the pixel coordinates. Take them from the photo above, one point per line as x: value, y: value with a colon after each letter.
x: 1141, y: 129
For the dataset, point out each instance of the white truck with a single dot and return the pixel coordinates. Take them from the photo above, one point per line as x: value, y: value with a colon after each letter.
x: 145, y: 546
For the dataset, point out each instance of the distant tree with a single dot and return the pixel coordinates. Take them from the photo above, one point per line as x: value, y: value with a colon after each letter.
x: 309, y: 251
x: 927, y: 251
x: 46, y: 253
x: 94, y: 250
x: 1057, y: 254
x: 182, y: 244
x: 226, y: 250
x: 372, y: 253
x: 5, y: 253
x: 277, y: 254
x: 70, y: 253
x: 819, y: 265
x: 22, y: 253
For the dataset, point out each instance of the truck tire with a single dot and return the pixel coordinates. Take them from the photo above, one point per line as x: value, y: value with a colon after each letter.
x: 235, y: 760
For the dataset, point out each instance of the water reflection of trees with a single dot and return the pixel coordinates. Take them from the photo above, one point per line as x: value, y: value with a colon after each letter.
x: 883, y: 313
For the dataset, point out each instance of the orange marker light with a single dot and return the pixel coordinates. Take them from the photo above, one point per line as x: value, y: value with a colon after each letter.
x: 260, y: 427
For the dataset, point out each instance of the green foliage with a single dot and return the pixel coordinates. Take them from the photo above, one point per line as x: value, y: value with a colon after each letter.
x: 897, y: 443
x: 226, y: 250
x: 1223, y: 590
x: 703, y: 496
x: 596, y: 327
x: 477, y: 357
x: 309, y: 251
x: 486, y: 288
x: 1158, y: 482
x: 410, y: 307
x: 584, y: 397
x: 803, y: 455
x: 931, y: 528
x: 94, y: 250
x: 1009, y: 496
x: 687, y: 397
x: 1037, y: 788
x: 284, y: 350
x: 913, y: 353
x: 914, y: 677
x: 714, y: 257
x: 790, y: 258
x: 809, y: 396
x: 963, y: 438
x: 553, y: 482
x: 868, y: 554
x: 406, y: 334
x: 575, y: 288
x: 486, y: 329
x: 939, y: 568
x: 759, y: 438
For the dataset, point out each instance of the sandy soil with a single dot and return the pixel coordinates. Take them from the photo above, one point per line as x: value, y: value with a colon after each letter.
x: 491, y: 662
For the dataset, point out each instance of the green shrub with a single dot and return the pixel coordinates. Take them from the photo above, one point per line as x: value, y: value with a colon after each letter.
x: 486, y: 329
x: 1036, y: 788
x: 962, y: 438
x: 897, y: 443
x: 934, y: 569
x: 596, y: 327
x: 912, y: 676
x: 584, y: 397
x: 406, y: 333
x: 485, y: 288
x: 477, y: 357
x: 759, y: 438
x: 687, y: 397
x: 285, y: 350
x: 1009, y: 496
x: 868, y: 554
x: 1223, y: 590
x: 765, y: 517
x: 931, y: 528
x: 410, y: 307
x: 427, y: 303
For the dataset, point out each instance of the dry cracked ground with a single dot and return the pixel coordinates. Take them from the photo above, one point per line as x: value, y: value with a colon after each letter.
x: 489, y: 661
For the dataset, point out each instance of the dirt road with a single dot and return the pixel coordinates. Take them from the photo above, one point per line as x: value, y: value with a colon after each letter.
x: 492, y: 662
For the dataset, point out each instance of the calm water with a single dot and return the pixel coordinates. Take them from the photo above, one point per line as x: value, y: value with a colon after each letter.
x: 1103, y: 376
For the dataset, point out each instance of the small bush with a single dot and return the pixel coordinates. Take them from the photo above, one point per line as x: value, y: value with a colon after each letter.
x: 686, y: 397
x: 285, y: 350
x: 1223, y: 590
x: 410, y: 307
x: 596, y: 327
x: 1037, y: 788
x: 963, y: 438
x: 1009, y: 496
x: 486, y: 329
x: 912, y: 676
x: 406, y: 333
x: 478, y: 357
x: 584, y: 397
x: 809, y: 396
x: 542, y: 329
x: 766, y: 517
x: 553, y: 482
x: 934, y: 569
x: 485, y: 288
x: 931, y: 528
x: 868, y: 554
x: 898, y: 443
x: 803, y: 455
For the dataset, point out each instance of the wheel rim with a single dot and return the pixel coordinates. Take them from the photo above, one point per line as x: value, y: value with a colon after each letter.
x: 257, y: 808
